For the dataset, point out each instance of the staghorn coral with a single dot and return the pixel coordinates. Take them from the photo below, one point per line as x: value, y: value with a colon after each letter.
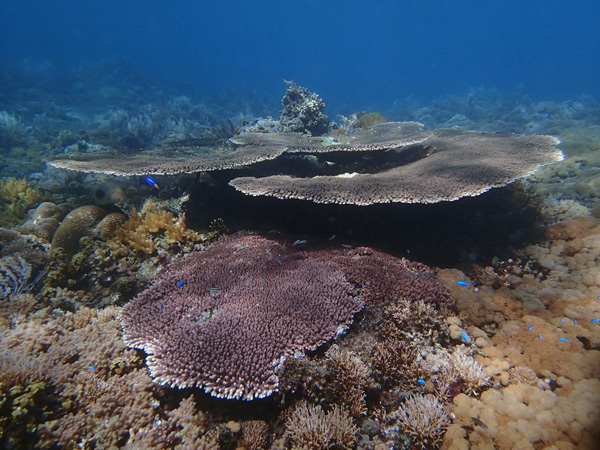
x: 456, y: 372
x: 16, y: 197
x: 223, y: 319
x: 308, y: 426
x: 395, y: 363
x: 254, y: 434
x: 350, y: 377
x: 423, y: 418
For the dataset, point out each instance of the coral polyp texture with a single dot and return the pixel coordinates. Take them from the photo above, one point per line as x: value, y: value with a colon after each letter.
x: 225, y: 318
x: 451, y: 164
x: 409, y: 165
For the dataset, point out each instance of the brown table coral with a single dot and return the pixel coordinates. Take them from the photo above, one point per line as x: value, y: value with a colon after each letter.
x: 405, y: 163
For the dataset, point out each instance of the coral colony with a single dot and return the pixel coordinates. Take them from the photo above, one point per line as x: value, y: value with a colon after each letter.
x: 132, y: 318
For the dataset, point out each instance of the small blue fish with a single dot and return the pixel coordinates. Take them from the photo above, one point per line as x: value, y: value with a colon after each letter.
x: 346, y: 246
x: 540, y: 336
x: 92, y: 368
x: 300, y: 242
x: 462, y: 283
x: 594, y: 320
x: 562, y: 319
x: 575, y: 321
x: 530, y: 328
x: 151, y: 182
x: 420, y: 381
x: 214, y: 289
x: 278, y: 261
x: 563, y: 339
x: 180, y: 283
x: 465, y: 337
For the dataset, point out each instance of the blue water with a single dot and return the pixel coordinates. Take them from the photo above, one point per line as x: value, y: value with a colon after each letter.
x: 356, y: 55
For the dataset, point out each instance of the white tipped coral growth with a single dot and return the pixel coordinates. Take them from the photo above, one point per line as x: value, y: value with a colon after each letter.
x: 423, y: 418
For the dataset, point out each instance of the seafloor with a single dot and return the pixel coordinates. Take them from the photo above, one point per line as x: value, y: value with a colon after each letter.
x: 512, y: 361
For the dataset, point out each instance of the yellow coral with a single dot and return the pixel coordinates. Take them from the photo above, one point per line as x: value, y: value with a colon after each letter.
x: 16, y: 197
x: 152, y: 227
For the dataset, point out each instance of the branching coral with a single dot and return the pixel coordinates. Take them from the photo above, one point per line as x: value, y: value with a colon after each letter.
x: 310, y: 427
x: 423, y: 418
x: 254, y: 434
x: 154, y: 227
x: 350, y: 376
x: 395, y: 362
x: 457, y: 372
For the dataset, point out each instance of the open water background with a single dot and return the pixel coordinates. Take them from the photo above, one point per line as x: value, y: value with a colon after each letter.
x: 356, y: 55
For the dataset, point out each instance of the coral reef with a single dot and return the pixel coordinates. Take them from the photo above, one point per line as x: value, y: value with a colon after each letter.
x: 78, y: 223
x: 43, y: 220
x: 303, y: 111
x: 499, y: 355
x: 452, y: 161
x: 15, y: 272
x: 423, y: 418
x: 223, y: 318
x: 308, y: 426
x: 155, y: 227
x: 16, y: 197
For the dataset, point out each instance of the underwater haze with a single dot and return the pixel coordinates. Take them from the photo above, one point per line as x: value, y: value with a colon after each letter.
x: 355, y: 54
x: 294, y: 224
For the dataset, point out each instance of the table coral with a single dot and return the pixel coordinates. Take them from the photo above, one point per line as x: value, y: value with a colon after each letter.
x: 224, y: 318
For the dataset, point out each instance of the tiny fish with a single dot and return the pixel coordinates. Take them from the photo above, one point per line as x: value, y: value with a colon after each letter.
x: 563, y: 339
x: 594, y: 320
x: 476, y: 421
x: 421, y: 381
x: 92, y: 368
x: 151, y: 182
x: 300, y: 242
x: 462, y: 283
x: 465, y: 337
x: 214, y: 289
x: 278, y: 261
x: 540, y: 336
x: 332, y: 237
x: 562, y: 319
x: 575, y: 321
x: 180, y: 283
x: 346, y: 246
x: 530, y: 327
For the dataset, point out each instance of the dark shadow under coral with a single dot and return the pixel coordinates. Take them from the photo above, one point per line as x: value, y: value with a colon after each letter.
x: 446, y: 234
